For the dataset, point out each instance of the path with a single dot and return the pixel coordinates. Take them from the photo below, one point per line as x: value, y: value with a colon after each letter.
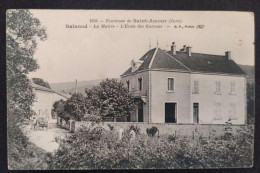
x: 45, y: 139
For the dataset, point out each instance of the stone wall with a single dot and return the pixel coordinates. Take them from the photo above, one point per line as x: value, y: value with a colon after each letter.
x: 187, y: 130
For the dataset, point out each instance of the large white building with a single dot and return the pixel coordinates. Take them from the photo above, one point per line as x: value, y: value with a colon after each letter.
x: 187, y: 88
x: 45, y: 97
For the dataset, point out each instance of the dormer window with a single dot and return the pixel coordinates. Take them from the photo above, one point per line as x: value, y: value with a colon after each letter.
x: 140, y: 83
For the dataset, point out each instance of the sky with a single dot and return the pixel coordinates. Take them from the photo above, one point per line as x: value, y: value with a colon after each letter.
x: 97, y: 53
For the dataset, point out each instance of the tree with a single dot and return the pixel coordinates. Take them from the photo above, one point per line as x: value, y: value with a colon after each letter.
x: 41, y: 82
x: 251, y: 102
x: 75, y: 106
x: 23, y: 32
x: 109, y: 99
x: 58, y: 107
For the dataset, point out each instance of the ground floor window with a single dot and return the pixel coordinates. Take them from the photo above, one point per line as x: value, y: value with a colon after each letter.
x: 218, y: 112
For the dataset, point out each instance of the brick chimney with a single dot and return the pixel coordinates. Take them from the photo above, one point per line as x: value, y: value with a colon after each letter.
x: 189, y: 50
x: 228, y: 55
x: 173, y: 48
x: 183, y: 49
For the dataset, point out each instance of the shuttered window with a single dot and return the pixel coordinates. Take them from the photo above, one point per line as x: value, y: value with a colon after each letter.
x: 218, y: 112
x: 232, y: 111
x: 233, y: 88
x: 170, y: 84
x: 196, y: 87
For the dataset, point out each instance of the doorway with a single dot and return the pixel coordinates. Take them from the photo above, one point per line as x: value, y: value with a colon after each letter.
x: 140, y: 112
x: 195, y: 113
x: 170, y: 113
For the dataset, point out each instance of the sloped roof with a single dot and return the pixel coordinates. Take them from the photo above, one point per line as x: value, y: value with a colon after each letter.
x: 162, y: 60
x: 197, y: 62
x: 39, y: 87
x: 42, y: 88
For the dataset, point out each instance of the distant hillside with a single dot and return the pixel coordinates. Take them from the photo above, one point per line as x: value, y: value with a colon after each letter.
x: 69, y: 87
x: 250, y: 72
x: 248, y: 69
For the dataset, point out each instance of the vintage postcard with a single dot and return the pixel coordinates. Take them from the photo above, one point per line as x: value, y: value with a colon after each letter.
x: 126, y: 89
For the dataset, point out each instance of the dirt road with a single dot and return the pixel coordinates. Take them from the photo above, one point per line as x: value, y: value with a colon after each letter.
x: 45, y: 139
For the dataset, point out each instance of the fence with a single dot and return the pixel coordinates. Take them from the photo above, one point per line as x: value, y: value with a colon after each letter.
x: 188, y: 130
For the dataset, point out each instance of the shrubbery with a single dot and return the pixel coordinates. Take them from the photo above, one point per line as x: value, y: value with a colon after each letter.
x: 109, y: 100
x: 95, y: 147
x: 22, y: 154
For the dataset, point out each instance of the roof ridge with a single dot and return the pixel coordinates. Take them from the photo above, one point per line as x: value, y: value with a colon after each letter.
x: 201, y: 53
x: 151, y: 62
x: 178, y: 61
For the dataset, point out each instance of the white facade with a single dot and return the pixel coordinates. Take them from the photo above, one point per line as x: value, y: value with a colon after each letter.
x: 45, y: 99
x: 217, y: 107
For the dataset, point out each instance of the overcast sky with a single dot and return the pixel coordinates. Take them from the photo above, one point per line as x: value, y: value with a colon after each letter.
x: 88, y: 54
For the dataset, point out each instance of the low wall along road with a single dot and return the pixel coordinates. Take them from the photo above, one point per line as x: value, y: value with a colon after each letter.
x: 184, y: 130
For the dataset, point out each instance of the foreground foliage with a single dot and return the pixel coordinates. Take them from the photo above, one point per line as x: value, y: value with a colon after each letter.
x: 95, y: 147
x: 23, y: 31
x: 23, y: 155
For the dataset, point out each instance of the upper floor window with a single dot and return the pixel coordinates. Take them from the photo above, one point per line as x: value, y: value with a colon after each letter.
x: 170, y: 84
x: 133, y: 84
x: 218, y: 91
x: 140, y: 83
x: 233, y: 88
x: 196, y: 87
x: 128, y: 85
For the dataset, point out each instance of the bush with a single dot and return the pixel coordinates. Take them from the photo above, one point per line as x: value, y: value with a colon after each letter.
x: 22, y: 154
x: 110, y: 126
x: 171, y: 138
x: 96, y: 148
x: 135, y: 129
x: 92, y: 118
x: 152, y: 131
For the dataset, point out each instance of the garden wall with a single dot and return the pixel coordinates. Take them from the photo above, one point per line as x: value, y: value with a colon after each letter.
x: 164, y: 128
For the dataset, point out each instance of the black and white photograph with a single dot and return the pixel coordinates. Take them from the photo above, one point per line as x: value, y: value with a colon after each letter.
x: 129, y: 89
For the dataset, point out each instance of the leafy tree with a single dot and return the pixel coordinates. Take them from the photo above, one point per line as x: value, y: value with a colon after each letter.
x: 75, y: 106
x: 58, y: 107
x: 109, y: 99
x: 41, y: 82
x: 251, y: 102
x: 23, y: 32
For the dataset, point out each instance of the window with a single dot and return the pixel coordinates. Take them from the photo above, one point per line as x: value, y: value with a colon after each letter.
x: 218, y: 112
x: 133, y: 83
x: 218, y: 88
x: 170, y: 84
x: 128, y: 85
x: 232, y: 111
x: 196, y: 87
x: 233, y: 88
x: 140, y: 83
